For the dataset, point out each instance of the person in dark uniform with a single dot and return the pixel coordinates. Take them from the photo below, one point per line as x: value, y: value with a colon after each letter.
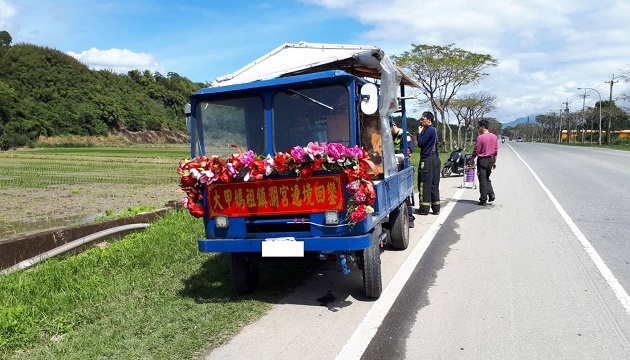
x: 429, y: 167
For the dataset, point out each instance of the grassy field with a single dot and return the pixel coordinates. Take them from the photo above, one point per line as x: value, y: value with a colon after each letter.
x: 53, y: 187
x: 151, y: 295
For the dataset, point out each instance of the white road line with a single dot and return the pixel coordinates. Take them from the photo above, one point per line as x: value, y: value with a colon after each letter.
x: 360, y: 339
x: 590, y: 250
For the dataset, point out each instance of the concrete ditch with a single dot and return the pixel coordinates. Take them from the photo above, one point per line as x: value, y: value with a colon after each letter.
x: 15, y: 250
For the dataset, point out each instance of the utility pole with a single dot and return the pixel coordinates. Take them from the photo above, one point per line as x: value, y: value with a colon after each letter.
x: 566, y: 111
x: 583, y: 117
x: 611, y: 82
x: 560, y: 125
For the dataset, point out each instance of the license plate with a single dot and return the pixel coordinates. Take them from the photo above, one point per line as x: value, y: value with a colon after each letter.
x: 282, y: 247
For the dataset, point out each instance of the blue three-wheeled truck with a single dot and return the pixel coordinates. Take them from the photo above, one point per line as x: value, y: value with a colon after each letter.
x: 313, y: 171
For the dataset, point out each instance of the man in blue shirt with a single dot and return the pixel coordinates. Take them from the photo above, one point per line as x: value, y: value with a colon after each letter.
x: 429, y: 167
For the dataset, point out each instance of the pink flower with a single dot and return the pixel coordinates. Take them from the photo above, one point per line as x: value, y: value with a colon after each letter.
x: 247, y: 158
x: 298, y: 153
x: 314, y: 150
x: 352, y: 187
x: 231, y: 170
x: 269, y: 165
x: 359, y: 197
x: 334, y: 151
x: 355, y: 152
x: 208, y: 177
x: 195, y: 173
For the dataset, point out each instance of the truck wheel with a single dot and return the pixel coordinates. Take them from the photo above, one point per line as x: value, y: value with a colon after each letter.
x: 371, y: 257
x: 399, y: 223
x: 244, y: 273
x: 446, y: 172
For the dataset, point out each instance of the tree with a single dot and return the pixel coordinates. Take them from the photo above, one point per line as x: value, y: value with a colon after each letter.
x: 626, y: 95
x: 494, y: 125
x: 441, y: 71
x: 5, y: 39
x: 470, y: 108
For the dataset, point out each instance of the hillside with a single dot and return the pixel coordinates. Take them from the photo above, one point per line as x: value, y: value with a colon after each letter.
x: 521, y: 120
x: 45, y: 93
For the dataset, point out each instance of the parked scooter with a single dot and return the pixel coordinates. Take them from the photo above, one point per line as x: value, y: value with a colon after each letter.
x: 456, y: 163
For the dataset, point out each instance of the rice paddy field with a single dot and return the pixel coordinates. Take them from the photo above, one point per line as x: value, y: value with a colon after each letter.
x: 46, y: 188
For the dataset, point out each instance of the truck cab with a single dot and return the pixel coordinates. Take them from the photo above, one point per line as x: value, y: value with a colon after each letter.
x: 300, y: 165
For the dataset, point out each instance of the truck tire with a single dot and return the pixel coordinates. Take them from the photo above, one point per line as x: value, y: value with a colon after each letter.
x: 371, y: 259
x: 399, y: 227
x: 244, y: 273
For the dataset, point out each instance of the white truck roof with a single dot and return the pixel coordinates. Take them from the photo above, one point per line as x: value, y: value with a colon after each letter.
x: 299, y: 58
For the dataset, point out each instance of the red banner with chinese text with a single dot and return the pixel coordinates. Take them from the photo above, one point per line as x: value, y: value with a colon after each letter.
x: 276, y: 196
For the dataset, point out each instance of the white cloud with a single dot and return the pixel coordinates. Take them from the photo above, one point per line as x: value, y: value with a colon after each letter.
x: 7, y: 13
x: 545, y: 48
x: 118, y: 60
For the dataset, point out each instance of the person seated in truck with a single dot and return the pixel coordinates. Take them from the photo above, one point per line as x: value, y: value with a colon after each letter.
x: 397, y: 134
x: 372, y: 142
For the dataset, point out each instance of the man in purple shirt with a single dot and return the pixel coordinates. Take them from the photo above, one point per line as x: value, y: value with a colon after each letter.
x: 486, y: 149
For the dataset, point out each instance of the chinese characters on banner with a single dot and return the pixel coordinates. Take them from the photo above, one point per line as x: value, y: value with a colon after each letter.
x: 277, y: 196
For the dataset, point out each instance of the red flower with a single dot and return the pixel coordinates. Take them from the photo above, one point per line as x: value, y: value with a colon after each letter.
x: 279, y: 162
x: 224, y: 177
x: 236, y: 161
x: 317, y: 165
x: 306, y: 172
x: 349, y: 175
x: 370, y: 194
x: 188, y: 181
x: 196, y: 210
x: 216, y: 165
x: 258, y: 167
x: 292, y: 164
x: 359, y: 214
x: 192, y: 165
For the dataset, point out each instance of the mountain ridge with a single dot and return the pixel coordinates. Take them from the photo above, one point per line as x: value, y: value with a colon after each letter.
x: 521, y: 120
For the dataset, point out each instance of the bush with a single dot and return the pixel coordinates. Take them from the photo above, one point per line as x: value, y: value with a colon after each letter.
x: 13, y: 140
x: 624, y: 142
x: 135, y: 125
x: 153, y: 124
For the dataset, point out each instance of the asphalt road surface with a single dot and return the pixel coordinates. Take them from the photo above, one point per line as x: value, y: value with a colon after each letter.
x: 543, y: 273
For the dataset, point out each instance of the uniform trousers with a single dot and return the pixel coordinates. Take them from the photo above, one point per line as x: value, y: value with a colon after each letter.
x: 429, y: 184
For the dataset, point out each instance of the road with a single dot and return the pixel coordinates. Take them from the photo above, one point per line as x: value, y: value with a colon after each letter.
x: 540, y: 274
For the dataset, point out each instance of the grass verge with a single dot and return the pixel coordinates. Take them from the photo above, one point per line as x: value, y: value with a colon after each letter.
x: 149, y: 295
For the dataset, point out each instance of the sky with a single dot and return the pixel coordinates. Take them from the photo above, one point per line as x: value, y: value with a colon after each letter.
x: 546, y: 49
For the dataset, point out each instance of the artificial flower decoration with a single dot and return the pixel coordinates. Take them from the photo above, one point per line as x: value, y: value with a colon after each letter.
x: 353, y: 162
